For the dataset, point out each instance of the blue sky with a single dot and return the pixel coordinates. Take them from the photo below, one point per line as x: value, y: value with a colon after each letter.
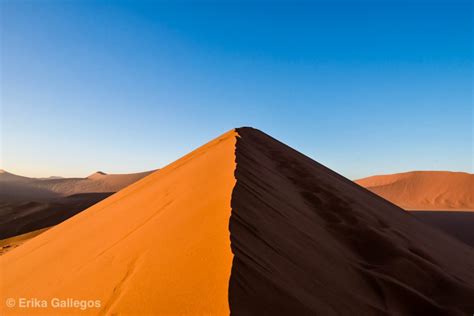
x: 364, y: 87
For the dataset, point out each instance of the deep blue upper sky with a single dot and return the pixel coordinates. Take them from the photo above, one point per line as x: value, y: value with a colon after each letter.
x: 364, y: 87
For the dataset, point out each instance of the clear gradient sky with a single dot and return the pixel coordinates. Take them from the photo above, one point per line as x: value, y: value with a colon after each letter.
x: 363, y: 87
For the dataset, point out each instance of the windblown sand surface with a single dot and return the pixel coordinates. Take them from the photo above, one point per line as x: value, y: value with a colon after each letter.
x: 425, y: 190
x: 11, y: 243
x: 457, y: 224
x: 159, y: 247
x: 309, y: 242
x: 28, y: 204
x: 249, y: 226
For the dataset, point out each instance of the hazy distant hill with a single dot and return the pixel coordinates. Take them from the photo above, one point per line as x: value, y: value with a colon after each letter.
x: 28, y: 204
x: 14, y: 186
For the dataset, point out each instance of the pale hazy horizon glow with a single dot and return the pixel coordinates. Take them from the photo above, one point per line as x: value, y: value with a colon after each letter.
x: 363, y: 87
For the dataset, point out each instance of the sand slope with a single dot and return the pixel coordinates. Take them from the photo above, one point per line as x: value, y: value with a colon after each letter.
x: 20, y: 217
x: 458, y: 224
x: 6, y: 176
x: 159, y: 247
x: 425, y: 190
x: 307, y: 241
x: 249, y: 226
x: 11, y: 243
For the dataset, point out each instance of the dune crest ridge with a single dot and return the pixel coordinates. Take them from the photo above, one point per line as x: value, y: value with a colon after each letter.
x: 308, y: 241
x: 244, y: 225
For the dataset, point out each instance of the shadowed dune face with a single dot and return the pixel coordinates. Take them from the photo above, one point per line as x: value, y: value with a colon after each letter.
x: 425, y: 190
x: 458, y: 224
x: 444, y: 200
x: 21, y: 191
x: 307, y: 241
x: 22, y: 217
x: 244, y: 225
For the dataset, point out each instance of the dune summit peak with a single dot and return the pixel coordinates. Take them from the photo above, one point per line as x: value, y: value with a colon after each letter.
x: 97, y: 175
x: 248, y: 226
x: 3, y: 171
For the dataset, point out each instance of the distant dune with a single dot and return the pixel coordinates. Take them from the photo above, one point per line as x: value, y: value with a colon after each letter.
x: 29, y: 204
x: 425, y: 190
x: 95, y: 183
x: 439, y: 198
x: 13, y: 186
x: 248, y: 226
x: 6, y: 176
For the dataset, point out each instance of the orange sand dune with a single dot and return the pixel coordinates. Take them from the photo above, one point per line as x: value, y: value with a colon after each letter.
x: 248, y: 226
x: 425, y: 190
x: 159, y: 247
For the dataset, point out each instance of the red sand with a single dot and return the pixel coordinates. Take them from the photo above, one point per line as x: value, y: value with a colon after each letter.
x: 249, y: 226
x: 425, y: 190
x: 159, y: 247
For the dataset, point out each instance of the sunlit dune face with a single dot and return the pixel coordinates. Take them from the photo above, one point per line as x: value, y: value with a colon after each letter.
x: 159, y: 247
